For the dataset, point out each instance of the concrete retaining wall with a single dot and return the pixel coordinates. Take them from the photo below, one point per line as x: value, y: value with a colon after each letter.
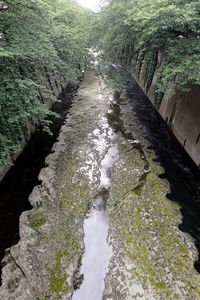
x: 181, y: 112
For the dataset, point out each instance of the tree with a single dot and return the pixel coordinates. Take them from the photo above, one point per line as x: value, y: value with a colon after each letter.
x: 138, y: 30
x: 40, y: 40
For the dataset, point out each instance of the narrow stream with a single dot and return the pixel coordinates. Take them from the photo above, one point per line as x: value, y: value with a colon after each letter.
x: 98, y: 252
x: 148, y: 131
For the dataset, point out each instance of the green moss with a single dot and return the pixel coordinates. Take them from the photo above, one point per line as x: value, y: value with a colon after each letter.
x: 148, y: 226
x: 57, y: 279
x: 37, y: 219
x: 74, y: 200
x: 160, y: 285
x: 56, y: 283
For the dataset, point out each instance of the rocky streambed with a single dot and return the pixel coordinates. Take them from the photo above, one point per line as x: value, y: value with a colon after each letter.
x: 101, y: 226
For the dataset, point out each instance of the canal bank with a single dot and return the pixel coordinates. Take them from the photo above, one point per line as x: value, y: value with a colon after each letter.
x: 103, y: 152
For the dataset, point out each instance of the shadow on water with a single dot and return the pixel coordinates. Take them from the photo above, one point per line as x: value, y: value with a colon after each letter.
x: 19, y: 182
x: 180, y: 171
x: 116, y: 123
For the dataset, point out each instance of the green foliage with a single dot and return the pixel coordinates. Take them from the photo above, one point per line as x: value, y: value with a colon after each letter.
x: 135, y: 30
x: 37, y: 219
x: 41, y: 41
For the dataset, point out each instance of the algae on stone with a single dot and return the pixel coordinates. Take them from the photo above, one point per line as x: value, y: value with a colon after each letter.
x: 37, y: 219
x: 147, y: 222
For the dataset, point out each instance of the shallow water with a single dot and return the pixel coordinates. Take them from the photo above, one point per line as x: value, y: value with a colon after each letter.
x: 97, y: 254
x: 97, y: 250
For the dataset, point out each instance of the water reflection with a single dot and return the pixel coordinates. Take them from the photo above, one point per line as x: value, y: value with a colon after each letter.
x: 98, y: 252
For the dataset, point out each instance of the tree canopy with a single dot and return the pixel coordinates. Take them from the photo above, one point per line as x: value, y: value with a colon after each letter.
x: 47, y: 39
x: 136, y: 31
x: 38, y: 39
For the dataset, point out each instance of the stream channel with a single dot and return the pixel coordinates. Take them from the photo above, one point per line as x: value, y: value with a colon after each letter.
x: 97, y: 249
x: 139, y: 233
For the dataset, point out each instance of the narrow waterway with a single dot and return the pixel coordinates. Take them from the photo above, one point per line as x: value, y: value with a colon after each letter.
x: 118, y: 206
x: 97, y: 250
x: 97, y: 254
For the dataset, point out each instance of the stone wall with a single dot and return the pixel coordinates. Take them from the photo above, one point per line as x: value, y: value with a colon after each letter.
x: 181, y: 111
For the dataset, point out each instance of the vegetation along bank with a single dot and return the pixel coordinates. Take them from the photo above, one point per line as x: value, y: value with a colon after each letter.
x: 158, y: 41
x: 42, y: 47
